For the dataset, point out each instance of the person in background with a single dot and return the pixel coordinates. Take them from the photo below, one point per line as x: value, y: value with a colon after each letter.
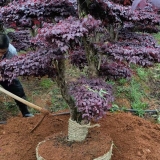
x: 8, y: 51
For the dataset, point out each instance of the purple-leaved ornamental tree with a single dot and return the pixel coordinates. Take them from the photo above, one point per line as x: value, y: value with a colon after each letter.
x: 142, y: 3
x: 103, y: 35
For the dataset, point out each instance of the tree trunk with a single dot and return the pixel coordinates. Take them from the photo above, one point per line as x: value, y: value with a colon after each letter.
x: 90, y: 52
x: 92, y: 59
x: 82, y: 8
x: 60, y: 65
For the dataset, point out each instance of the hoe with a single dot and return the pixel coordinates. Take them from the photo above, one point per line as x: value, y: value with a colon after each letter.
x: 40, y: 109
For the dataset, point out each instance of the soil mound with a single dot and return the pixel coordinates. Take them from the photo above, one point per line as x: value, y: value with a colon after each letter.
x: 134, y: 138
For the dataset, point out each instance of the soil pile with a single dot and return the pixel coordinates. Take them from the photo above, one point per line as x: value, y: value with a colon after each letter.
x: 134, y: 138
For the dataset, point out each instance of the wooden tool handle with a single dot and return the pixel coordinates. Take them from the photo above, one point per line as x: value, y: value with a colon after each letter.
x: 24, y: 101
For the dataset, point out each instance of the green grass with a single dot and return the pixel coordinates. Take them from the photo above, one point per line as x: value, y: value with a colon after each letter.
x: 142, y: 73
x: 156, y: 72
x: 136, y: 94
x: 58, y: 103
x: 11, y: 107
x: 46, y: 83
x: 157, y: 37
x: 110, y: 82
x: 134, y: 90
x: 123, y: 81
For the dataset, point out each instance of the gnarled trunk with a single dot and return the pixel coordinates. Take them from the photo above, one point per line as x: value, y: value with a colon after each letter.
x: 60, y: 65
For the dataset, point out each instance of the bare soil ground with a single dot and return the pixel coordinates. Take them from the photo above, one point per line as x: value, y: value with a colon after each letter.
x: 134, y: 138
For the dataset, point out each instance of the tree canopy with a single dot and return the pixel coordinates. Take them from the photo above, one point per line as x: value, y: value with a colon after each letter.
x: 104, y: 35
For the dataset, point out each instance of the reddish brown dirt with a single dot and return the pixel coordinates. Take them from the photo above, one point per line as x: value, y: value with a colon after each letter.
x: 134, y: 138
x: 94, y: 146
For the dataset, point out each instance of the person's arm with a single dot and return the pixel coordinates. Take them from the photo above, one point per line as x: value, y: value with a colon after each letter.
x: 11, y: 52
x: 12, y: 49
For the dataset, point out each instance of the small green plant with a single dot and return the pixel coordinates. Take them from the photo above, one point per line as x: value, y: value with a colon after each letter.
x: 133, y: 91
x: 122, y: 81
x: 46, y: 83
x: 114, y: 108
x: 11, y: 107
x: 140, y: 112
x: 136, y: 95
x: 139, y: 107
x: 122, y: 89
x: 142, y: 73
x: 110, y: 82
